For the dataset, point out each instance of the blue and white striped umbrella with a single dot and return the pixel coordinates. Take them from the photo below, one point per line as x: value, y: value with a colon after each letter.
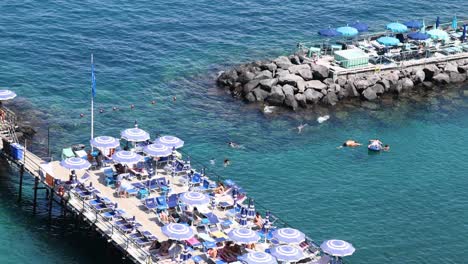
x: 287, y: 253
x: 266, y: 223
x: 126, y: 157
x: 105, y: 142
x: 251, y: 209
x: 7, y: 95
x: 157, y: 150
x: 194, y: 198
x: 75, y: 163
x: 243, y: 217
x: 177, y: 231
x: 338, y: 248
x: 170, y: 141
x: 258, y: 258
x: 135, y: 134
x: 243, y: 236
x: 288, y: 235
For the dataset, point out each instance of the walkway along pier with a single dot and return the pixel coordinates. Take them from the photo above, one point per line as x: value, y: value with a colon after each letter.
x: 141, y: 211
x: 362, y: 67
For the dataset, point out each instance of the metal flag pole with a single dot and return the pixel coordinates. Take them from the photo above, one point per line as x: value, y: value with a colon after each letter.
x: 93, y: 93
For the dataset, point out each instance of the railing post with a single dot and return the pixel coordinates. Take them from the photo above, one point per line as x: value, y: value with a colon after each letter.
x: 36, y: 183
x: 20, y: 191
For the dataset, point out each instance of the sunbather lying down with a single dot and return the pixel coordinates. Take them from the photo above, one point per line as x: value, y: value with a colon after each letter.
x: 230, y: 252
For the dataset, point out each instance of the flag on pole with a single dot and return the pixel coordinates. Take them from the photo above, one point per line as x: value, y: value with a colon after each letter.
x: 93, y: 78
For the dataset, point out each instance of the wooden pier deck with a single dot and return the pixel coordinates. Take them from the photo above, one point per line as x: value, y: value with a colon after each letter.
x: 43, y: 171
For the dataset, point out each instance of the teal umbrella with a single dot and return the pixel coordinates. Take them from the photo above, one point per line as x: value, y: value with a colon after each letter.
x: 347, y: 31
x: 437, y: 34
x: 388, y: 41
x: 454, y: 22
x: 397, y: 28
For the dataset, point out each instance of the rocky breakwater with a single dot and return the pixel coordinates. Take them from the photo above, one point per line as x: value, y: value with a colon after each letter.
x: 297, y: 82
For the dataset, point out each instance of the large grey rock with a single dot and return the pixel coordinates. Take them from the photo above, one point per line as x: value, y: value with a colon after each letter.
x: 250, y: 97
x: 266, y: 74
x: 451, y: 67
x: 314, y: 84
x: 268, y: 83
x: 276, y: 96
x: 404, y: 84
x: 441, y: 78
x: 361, y: 84
x: 294, y: 69
x: 260, y: 94
x: 456, y: 77
x: 290, y: 101
x: 291, y: 79
x: 385, y: 83
x: 280, y: 72
x: 341, y: 81
x: 392, y: 77
x: 418, y: 76
x: 330, y: 99
x: 301, y: 86
x: 312, y: 96
x: 430, y: 71
x: 351, y: 90
x: 301, y: 100
x: 302, y: 70
x: 248, y: 87
x: 369, y: 94
x: 288, y: 89
x: 296, y: 60
x: 269, y: 66
x: 283, y: 62
x: 373, y: 79
x: 378, y: 88
x: 228, y: 78
x: 246, y: 77
x: 319, y: 72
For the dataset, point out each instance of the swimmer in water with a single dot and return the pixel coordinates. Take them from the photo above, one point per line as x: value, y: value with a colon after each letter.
x: 233, y: 144
x: 153, y: 102
x: 114, y: 108
x: 132, y: 106
x: 386, y: 148
x: 212, y: 161
x: 81, y: 115
x: 351, y: 143
x: 101, y: 110
x: 227, y: 162
x: 174, y: 98
x: 300, y: 128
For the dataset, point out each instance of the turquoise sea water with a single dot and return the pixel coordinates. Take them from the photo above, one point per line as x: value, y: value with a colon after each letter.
x: 405, y: 206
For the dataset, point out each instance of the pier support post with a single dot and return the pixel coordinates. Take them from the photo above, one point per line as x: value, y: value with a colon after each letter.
x: 36, y: 183
x: 51, y: 199
x: 20, y: 191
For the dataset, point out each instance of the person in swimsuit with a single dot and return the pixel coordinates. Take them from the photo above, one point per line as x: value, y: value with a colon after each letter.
x: 351, y: 143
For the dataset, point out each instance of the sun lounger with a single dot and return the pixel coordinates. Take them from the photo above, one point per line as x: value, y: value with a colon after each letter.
x: 113, y: 214
x: 161, y: 203
x: 173, y: 201
x: 205, y: 237
x: 149, y: 235
x: 140, y: 239
x: 194, y: 242
x: 150, y: 204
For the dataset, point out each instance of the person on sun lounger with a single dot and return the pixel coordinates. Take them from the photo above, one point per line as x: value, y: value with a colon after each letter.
x: 220, y: 189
